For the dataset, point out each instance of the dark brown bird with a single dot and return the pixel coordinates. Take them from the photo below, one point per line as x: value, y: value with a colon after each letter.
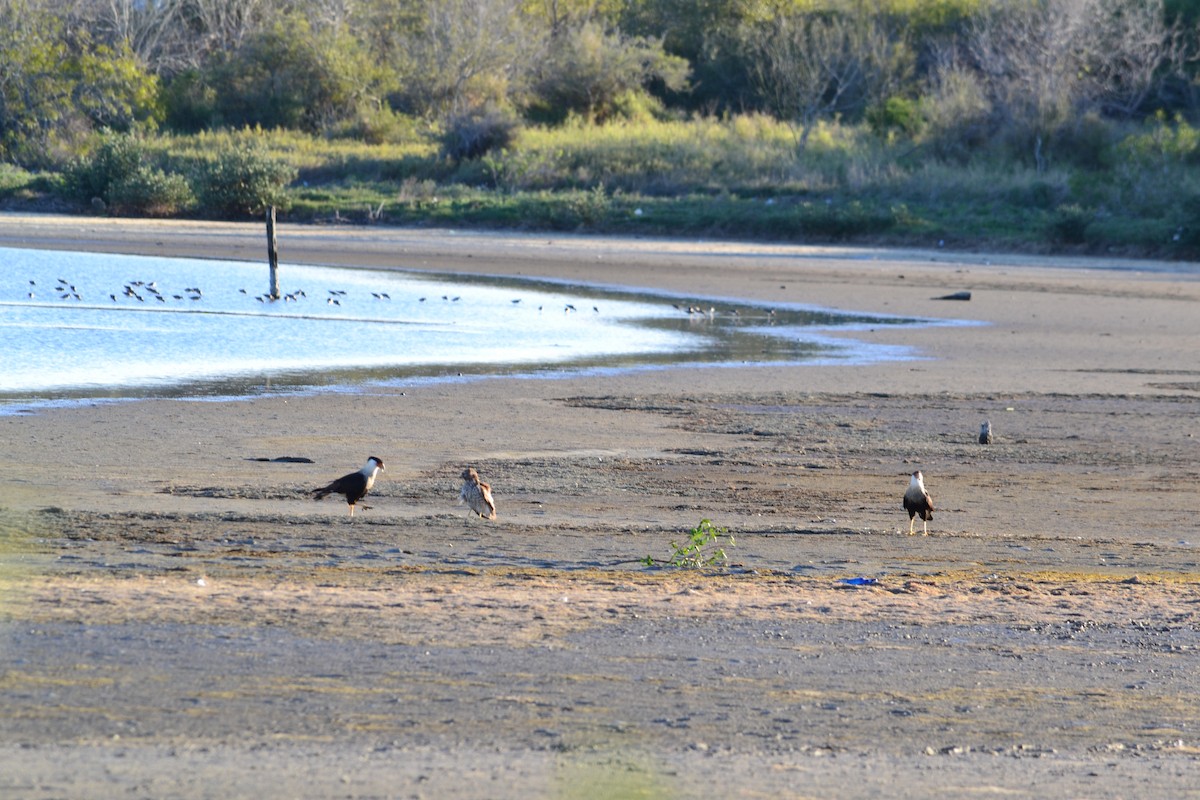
x: 353, y: 486
x: 918, y: 502
x: 477, y: 494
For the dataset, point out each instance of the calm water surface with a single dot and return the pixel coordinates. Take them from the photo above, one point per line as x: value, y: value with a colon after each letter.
x: 79, y: 325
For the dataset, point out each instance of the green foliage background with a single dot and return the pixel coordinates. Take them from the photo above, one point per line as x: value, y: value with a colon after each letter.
x: 896, y: 121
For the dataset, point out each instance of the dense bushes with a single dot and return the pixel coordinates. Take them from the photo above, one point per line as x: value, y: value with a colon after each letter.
x: 474, y: 132
x: 117, y: 177
x: 741, y: 176
x: 589, y: 70
x: 57, y: 84
x: 243, y: 181
x: 288, y: 76
x: 828, y: 120
x: 1028, y: 70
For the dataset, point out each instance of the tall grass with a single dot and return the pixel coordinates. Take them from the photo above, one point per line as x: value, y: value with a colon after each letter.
x: 742, y: 176
x: 314, y: 157
x: 742, y: 154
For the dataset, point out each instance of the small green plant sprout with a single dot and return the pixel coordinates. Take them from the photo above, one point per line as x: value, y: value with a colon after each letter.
x: 704, y: 547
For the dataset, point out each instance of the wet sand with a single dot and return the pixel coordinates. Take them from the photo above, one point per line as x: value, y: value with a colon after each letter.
x: 179, y: 619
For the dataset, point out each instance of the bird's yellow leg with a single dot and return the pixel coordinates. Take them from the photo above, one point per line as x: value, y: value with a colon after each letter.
x: 911, y: 522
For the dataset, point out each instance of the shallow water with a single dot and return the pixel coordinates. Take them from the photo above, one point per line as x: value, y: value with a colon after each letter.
x: 78, y: 325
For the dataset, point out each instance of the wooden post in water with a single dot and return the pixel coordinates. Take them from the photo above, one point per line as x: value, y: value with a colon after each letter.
x: 272, y: 253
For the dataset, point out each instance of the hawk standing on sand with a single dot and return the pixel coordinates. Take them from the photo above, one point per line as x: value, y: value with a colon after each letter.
x: 353, y: 486
x: 918, y: 502
x: 477, y: 494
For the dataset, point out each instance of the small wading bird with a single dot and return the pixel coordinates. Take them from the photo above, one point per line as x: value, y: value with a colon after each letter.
x: 353, y: 486
x: 477, y: 494
x: 918, y: 502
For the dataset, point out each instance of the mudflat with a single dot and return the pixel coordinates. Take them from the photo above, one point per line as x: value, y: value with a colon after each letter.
x: 178, y: 618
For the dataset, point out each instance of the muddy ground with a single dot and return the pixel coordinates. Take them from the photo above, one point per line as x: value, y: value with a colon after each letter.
x: 416, y: 652
x: 179, y: 619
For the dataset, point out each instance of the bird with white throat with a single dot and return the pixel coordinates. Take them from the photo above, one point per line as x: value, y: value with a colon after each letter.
x: 353, y: 487
x: 985, y: 432
x: 917, y: 502
x: 477, y: 494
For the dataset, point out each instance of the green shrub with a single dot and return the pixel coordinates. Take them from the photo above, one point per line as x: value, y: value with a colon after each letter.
x: 13, y: 177
x: 1070, y: 224
x: 955, y: 114
x: 592, y: 206
x: 189, y: 103
x: 116, y: 177
x: 832, y: 221
x: 477, y: 131
x: 702, y: 548
x: 116, y: 158
x: 638, y: 105
x: 1162, y: 141
x: 151, y: 192
x: 1153, y: 170
x: 895, y: 113
x: 1088, y: 142
x: 290, y: 74
x: 377, y: 126
x: 592, y: 72
x: 243, y: 181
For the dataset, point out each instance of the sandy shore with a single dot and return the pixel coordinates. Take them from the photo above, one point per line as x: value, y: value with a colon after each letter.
x: 178, y: 619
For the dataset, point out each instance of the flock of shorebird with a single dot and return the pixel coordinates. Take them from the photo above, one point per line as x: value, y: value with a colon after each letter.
x: 135, y: 290
x: 478, y: 495
x: 140, y: 290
